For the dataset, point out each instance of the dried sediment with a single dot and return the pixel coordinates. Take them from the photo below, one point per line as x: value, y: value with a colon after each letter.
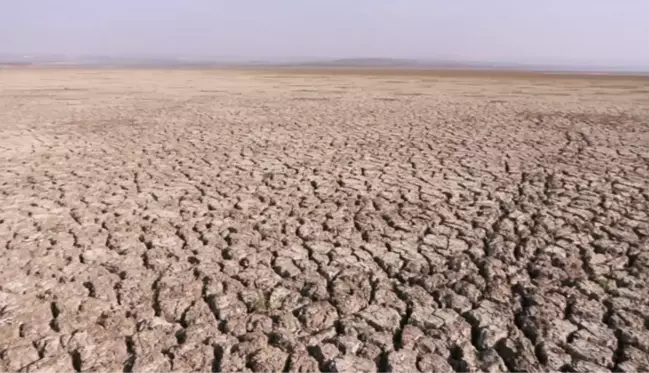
x: 237, y: 221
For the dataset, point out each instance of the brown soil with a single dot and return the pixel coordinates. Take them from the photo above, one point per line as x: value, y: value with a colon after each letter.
x: 205, y: 220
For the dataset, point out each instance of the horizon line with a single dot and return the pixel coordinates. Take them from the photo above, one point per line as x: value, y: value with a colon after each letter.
x: 206, y: 58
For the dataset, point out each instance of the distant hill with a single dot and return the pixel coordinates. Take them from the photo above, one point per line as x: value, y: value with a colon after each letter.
x: 238, y: 62
x: 363, y: 62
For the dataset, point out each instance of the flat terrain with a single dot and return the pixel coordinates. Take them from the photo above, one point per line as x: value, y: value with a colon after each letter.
x: 197, y: 220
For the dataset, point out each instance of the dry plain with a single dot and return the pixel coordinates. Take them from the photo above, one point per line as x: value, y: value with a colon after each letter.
x: 211, y: 220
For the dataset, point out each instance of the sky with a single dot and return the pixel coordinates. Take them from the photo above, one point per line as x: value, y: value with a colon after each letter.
x: 577, y: 32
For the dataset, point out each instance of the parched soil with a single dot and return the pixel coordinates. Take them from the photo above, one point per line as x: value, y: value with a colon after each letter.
x: 211, y: 220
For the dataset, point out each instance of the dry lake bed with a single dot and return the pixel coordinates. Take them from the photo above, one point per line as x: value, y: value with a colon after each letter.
x: 224, y: 220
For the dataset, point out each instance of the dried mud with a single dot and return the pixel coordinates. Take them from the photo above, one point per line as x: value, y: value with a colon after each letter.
x: 263, y: 221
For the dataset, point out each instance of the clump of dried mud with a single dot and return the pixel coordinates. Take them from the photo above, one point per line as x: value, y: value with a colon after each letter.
x: 251, y: 221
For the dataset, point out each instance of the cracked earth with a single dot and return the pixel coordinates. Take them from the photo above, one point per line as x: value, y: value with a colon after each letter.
x: 274, y: 221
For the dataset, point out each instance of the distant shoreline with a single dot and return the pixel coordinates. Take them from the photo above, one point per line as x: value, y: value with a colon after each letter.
x: 452, y: 71
x: 310, y: 63
x: 446, y: 71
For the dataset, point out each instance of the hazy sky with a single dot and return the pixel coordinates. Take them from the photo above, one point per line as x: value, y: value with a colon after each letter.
x: 601, y: 32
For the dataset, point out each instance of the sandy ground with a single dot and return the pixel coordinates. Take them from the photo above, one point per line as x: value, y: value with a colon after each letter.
x: 176, y: 220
